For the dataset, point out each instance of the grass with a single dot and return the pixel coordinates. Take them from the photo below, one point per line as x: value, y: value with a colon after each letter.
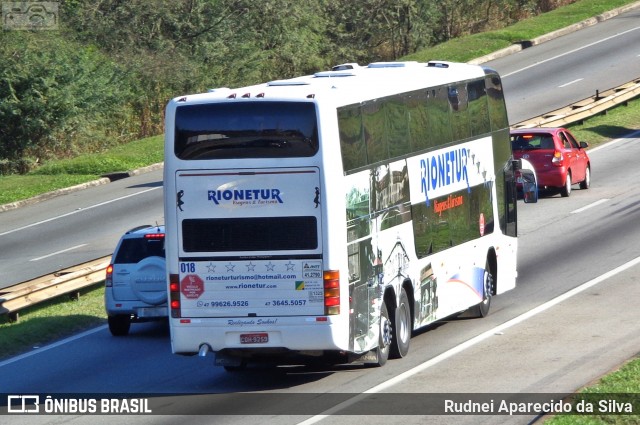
x: 617, y: 385
x: 617, y: 122
x: 69, y: 172
x: 58, y: 318
x: 52, y: 320
x: 473, y: 46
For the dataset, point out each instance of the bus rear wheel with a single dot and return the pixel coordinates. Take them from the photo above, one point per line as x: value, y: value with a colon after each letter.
x: 401, y: 337
x: 385, y: 337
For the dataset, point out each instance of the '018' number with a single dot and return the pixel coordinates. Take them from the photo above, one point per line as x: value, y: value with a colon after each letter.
x: 187, y: 267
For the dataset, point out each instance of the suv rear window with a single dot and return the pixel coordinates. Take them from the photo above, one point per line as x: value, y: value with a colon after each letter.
x: 134, y: 250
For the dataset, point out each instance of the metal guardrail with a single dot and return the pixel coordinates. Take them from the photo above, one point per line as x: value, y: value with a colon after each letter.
x: 586, y: 108
x: 67, y: 281
x: 70, y: 281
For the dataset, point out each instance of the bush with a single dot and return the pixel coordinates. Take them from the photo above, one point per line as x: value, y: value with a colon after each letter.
x: 52, y: 93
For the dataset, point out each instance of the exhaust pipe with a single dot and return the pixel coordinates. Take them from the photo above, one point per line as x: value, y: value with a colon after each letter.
x: 204, y: 350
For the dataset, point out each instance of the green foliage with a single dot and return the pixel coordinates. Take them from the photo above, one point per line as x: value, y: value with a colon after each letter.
x: 59, y: 174
x: 135, y: 155
x: 464, y: 46
x: 106, y: 75
x: 51, y: 92
x: 18, y: 187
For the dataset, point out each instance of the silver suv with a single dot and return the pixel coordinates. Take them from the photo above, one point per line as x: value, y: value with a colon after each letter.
x: 135, y: 285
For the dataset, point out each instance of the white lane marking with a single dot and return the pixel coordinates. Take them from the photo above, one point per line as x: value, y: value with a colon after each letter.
x: 570, y: 82
x: 626, y: 138
x: 471, y: 342
x: 79, y: 211
x: 586, y: 207
x: 58, y: 252
x: 569, y: 52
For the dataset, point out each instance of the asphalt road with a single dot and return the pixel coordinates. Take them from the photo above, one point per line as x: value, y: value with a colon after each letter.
x: 71, y: 229
x: 571, y: 68
x: 572, y: 318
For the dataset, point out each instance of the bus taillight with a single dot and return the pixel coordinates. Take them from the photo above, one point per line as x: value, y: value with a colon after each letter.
x: 174, y: 295
x: 331, y: 280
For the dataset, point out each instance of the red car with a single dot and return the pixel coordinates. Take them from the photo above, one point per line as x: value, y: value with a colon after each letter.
x: 559, y: 160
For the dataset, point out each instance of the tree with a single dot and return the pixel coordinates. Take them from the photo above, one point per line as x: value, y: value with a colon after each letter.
x: 379, y: 30
x: 50, y: 91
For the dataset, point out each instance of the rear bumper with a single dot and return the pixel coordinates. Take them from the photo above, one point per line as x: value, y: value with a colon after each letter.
x: 137, y: 308
x: 290, y: 334
x: 552, y: 177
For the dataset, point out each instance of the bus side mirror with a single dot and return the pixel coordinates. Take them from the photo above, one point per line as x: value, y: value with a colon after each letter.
x: 527, y: 180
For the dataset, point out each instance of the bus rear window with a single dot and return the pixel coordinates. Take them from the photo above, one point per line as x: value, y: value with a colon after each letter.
x: 246, y: 130
x: 249, y: 234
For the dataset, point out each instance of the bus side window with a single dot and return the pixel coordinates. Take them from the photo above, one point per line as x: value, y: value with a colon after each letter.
x: 354, y: 154
x: 373, y: 121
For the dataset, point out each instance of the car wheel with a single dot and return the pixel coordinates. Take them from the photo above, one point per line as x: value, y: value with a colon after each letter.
x: 566, y: 190
x: 119, y: 324
x: 586, y: 183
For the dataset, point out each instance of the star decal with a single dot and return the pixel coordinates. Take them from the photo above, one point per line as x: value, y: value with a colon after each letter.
x: 211, y: 268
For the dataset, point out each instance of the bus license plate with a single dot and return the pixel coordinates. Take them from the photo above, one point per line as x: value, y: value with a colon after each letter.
x: 254, y: 338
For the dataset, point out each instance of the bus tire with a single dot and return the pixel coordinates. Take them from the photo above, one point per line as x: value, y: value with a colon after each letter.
x: 402, y: 330
x: 385, y: 337
x: 482, y: 309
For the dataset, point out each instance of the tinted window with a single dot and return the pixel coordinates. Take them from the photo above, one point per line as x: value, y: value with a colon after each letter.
x: 396, y: 126
x: 459, y: 103
x: 246, y: 130
x: 354, y: 153
x: 249, y: 234
x: 497, y: 106
x: 135, y: 250
x: 374, y: 131
x: 439, y: 119
x: 531, y: 141
x: 452, y: 220
x: 418, y: 117
x: 478, y: 108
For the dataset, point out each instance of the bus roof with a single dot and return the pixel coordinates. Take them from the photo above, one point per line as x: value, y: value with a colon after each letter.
x: 348, y: 83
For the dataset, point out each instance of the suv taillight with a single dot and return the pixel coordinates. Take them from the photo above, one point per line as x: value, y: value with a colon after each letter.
x: 557, y: 158
x: 108, y: 281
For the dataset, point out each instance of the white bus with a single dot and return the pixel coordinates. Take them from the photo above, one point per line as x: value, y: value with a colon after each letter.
x: 330, y: 215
